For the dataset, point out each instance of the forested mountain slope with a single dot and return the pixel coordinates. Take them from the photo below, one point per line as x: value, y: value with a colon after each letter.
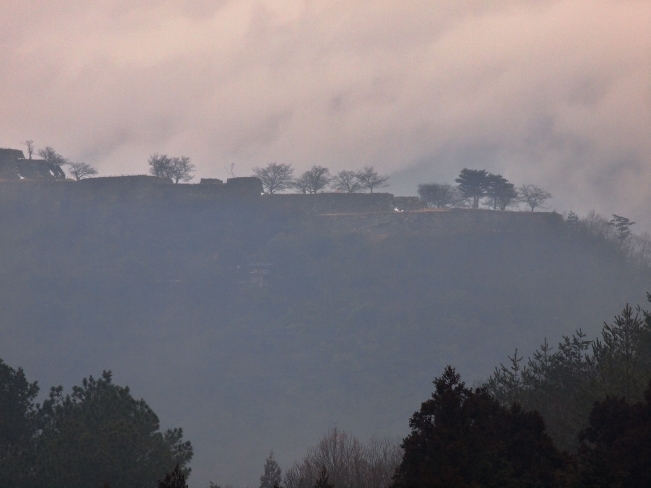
x: 357, y: 314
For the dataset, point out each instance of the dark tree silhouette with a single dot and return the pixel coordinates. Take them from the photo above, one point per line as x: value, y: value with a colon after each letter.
x: 174, y: 479
x: 272, y: 472
x: 464, y: 438
x: 275, y: 177
x: 81, y: 170
x: 500, y: 191
x: 533, y: 196
x: 616, y: 447
x: 30, y: 148
x: 622, y: 226
x: 438, y: 195
x: 51, y: 156
x: 369, y: 179
x: 100, y: 433
x: 17, y: 424
x: 346, y: 182
x: 473, y: 185
x: 314, y: 180
x: 176, y: 169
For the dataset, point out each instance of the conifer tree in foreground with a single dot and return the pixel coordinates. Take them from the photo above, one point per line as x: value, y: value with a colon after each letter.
x: 463, y: 437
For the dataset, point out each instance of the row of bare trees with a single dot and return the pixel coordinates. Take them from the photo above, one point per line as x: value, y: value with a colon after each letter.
x: 175, y: 168
x: 343, y: 460
x: 475, y: 187
x: 279, y: 177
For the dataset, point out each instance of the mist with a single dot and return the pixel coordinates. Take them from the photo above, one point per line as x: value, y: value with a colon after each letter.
x: 361, y: 302
x: 554, y: 93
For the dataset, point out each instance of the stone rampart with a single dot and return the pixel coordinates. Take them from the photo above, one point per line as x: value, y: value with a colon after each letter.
x: 328, y: 203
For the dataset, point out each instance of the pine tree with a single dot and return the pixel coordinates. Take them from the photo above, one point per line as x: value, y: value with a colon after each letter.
x: 473, y: 184
x: 622, y: 226
x: 272, y: 473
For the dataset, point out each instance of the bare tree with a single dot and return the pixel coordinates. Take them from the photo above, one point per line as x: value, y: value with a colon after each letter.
x: 598, y: 226
x: 81, y: 170
x: 176, y: 169
x: 439, y: 195
x: 346, y: 182
x: 159, y: 165
x: 182, y: 169
x: 370, y: 179
x: 314, y: 180
x: 347, y: 461
x: 533, y: 196
x: 30, y: 148
x: 275, y: 177
x: 51, y: 156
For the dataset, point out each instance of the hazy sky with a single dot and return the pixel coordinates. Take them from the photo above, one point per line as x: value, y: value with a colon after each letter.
x: 556, y: 93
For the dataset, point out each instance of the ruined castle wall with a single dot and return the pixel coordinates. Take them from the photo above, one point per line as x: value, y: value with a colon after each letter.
x: 329, y: 203
x: 141, y: 189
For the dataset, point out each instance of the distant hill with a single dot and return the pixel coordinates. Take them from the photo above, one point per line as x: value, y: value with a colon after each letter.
x: 257, y: 322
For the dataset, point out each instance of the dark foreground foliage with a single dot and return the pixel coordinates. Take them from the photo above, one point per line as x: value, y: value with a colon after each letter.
x: 616, y: 447
x: 98, y: 434
x: 175, y: 479
x: 463, y: 437
x: 564, y: 384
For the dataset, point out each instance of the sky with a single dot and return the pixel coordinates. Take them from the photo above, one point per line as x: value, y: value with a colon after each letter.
x: 552, y: 93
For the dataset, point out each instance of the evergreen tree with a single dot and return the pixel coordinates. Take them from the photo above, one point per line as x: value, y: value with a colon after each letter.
x: 473, y: 185
x: 272, y: 473
x: 17, y: 425
x: 564, y: 384
x: 464, y: 438
x: 100, y: 433
x: 500, y: 191
x: 622, y: 226
x: 616, y: 447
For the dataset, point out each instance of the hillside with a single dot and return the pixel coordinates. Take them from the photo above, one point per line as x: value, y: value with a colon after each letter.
x: 256, y: 323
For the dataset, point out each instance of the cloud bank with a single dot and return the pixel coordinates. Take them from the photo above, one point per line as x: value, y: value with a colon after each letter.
x: 555, y: 93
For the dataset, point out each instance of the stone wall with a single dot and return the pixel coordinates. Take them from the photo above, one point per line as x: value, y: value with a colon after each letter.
x: 329, y: 203
x: 14, y: 167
